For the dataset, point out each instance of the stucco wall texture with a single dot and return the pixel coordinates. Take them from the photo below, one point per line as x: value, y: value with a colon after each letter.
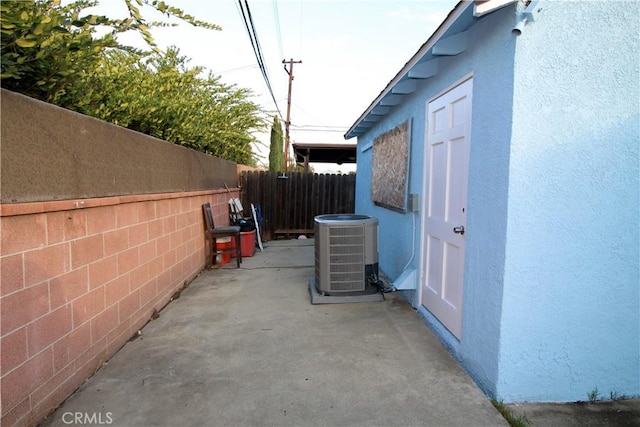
x: 49, y: 153
x: 400, y: 234
x: 571, y: 316
x: 551, y: 287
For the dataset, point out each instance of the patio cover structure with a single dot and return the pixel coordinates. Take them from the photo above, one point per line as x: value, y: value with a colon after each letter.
x: 306, y: 153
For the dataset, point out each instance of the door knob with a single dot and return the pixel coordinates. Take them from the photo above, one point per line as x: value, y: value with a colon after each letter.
x: 459, y: 230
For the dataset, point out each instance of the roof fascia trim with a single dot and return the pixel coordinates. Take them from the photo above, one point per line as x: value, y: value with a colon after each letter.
x: 481, y: 8
x: 435, y: 37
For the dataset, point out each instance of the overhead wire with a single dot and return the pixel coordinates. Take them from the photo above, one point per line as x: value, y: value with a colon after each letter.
x: 276, y: 17
x: 245, y: 12
x: 301, y: 30
x: 238, y: 68
x: 312, y: 117
x: 312, y: 128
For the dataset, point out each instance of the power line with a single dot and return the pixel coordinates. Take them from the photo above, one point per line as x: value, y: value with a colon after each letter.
x: 314, y: 118
x: 276, y: 17
x: 301, y: 30
x: 305, y: 129
x: 245, y: 12
x: 321, y: 126
x: 259, y: 56
x: 237, y: 68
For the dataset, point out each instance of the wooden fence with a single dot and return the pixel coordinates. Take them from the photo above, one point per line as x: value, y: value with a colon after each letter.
x: 289, y: 202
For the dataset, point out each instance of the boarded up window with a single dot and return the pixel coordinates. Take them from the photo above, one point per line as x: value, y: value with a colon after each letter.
x: 390, y: 172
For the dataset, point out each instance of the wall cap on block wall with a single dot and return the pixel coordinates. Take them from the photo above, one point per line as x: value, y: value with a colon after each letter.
x: 13, y: 209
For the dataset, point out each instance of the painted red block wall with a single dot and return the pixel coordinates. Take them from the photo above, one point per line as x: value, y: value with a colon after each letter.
x: 79, y: 277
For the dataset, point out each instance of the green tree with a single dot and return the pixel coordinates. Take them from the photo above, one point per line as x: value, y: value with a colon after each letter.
x: 46, y: 47
x: 276, y: 155
x: 161, y: 96
x: 51, y: 52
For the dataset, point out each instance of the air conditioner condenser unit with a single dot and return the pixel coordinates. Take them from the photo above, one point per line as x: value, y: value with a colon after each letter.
x: 346, y: 258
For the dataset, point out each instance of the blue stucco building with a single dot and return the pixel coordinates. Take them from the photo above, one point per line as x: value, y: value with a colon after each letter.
x: 503, y: 165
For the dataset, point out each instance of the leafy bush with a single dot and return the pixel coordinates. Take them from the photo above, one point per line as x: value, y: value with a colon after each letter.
x: 51, y: 52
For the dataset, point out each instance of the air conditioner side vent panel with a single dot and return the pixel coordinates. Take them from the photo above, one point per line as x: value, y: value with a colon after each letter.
x: 344, y: 247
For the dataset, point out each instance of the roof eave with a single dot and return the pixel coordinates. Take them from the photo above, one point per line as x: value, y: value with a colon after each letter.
x: 444, y: 26
x: 393, y: 90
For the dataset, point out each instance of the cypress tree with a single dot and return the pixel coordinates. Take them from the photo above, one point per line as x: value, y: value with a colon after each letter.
x: 276, y: 153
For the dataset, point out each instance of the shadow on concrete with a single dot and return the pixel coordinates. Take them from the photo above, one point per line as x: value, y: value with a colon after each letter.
x: 245, y: 347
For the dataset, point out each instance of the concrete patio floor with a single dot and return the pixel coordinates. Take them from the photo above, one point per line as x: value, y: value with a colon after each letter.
x: 245, y: 347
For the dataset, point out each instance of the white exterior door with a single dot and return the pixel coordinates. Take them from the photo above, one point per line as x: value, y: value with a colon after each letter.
x: 444, y: 211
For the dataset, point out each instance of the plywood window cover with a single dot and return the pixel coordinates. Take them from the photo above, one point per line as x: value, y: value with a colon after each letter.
x: 390, y: 170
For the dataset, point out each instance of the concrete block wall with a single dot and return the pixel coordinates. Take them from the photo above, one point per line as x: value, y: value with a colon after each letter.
x: 80, y: 277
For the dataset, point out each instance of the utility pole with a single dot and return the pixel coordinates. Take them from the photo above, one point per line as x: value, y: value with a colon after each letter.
x: 288, y: 121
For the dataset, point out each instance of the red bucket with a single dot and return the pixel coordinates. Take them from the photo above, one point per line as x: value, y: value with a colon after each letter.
x: 224, y: 243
